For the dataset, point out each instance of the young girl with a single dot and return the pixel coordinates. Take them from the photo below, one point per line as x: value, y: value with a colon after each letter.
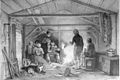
x: 38, y: 53
x: 52, y: 48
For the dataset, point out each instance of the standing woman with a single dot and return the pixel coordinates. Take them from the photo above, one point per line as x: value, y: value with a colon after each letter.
x: 78, y: 47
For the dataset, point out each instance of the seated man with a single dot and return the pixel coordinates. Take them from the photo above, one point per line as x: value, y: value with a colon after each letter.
x: 90, y: 51
x: 52, y: 50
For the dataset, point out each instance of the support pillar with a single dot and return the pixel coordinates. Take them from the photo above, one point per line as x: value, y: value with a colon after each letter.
x: 23, y: 43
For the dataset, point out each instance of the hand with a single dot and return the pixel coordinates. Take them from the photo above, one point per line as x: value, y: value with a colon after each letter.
x: 58, y: 49
x: 70, y: 42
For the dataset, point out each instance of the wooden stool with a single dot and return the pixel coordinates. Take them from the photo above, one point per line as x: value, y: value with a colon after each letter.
x: 90, y: 63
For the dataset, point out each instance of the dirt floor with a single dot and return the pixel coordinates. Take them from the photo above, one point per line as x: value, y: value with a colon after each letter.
x: 56, y: 73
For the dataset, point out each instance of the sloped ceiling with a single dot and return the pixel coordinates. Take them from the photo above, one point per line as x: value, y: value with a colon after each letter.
x: 54, y: 6
x: 11, y: 6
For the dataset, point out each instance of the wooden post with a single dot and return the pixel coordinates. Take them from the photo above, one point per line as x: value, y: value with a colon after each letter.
x: 117, y: 33
x: 9, y: 32
x: 9, y: 46
x: 12, y: 46
x: 23, y: 43
x: 13, y: 41
x: 59, y: 34
x: 100, y: 27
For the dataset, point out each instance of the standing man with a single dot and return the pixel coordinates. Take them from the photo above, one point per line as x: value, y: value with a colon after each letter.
x: 45, y: 44
x: 78, y: 41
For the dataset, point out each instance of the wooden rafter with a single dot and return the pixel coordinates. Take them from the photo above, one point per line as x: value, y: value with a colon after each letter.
x: 93, y: 6
x: 27, y: 10
x: 7, y: 4
x: 43, y: 15
x: 88, y: 2
x: 100, y: 3
x: 36, y: 20
x: 28, y: 3
x: 94, y: 25
x: 86, y: 19
x: 30, y: 12
x: 32, y: 17
x: 31, y: 7
x: 15, y: 1
x: 31, y: 32
x: 36, y: 35
x: 47, y: 7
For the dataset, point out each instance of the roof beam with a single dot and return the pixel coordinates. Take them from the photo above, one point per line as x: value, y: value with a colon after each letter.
x: 46, y: 15
x: 56, y: 25
x: 93, y: 6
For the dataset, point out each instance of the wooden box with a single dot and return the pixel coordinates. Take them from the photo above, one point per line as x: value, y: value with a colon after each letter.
x: 107, y: 64
x: 90, y: 63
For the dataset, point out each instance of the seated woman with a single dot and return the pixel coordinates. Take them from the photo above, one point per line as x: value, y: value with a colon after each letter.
x: 90, y: 51
x: 52, y: 50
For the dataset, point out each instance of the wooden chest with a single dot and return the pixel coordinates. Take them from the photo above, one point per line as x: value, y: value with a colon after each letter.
x: 109, y: 65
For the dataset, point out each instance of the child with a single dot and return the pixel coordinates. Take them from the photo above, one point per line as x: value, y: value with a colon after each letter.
x: 52, y: 48
x: 38, y: 53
